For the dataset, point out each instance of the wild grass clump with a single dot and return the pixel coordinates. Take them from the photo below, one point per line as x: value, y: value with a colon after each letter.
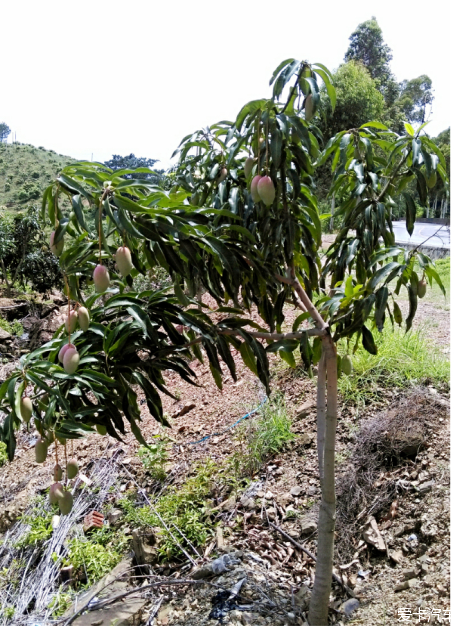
x: 261, y: 437
x: 183, y: 508
x: 401, y: 360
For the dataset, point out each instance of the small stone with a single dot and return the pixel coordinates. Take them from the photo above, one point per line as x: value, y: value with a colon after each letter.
x: 350, y: 606
x: 304, y: 410
x: 269, y: 495
x: 203, y: 572
x: 413, y: 583
x: 308, y: 527
x: 235, y: 614
x: 115, y: 516
x: 271, y: 513
x: 410, y: 574
x: 247, y: 618
x: 296, y: 491
x: 402, y: 586
x: 397, y: 556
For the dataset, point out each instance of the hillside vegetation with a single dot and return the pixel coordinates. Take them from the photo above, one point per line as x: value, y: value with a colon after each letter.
x: 25, y: 171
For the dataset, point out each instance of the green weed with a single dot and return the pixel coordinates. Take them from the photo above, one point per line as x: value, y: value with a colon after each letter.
x: 154, y: 458
x: 184, y: 507
x: 90, y: 559
x: 402, y: 360
x: 14, y: 327
x: 261, y: 437
x: 60, y: 602
x: 3, y: 454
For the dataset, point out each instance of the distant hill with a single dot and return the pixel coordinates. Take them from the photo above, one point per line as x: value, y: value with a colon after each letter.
x: 25, y: 171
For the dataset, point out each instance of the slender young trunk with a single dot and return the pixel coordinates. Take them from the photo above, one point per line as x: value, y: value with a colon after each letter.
x: 319, y: 605
x: 321, y: 415
x: 8, y: 287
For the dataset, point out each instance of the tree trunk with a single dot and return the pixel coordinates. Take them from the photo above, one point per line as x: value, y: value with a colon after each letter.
x: 319, y: 605
x: 332, y: 210
x: 8, y: 287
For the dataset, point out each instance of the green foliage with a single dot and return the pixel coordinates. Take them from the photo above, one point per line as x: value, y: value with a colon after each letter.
x: 154, y: 457
x: 3, y: 454
x: 91, y: 559
x: 208, y: 231
x: 36, y: 173
x: 183, y: 507
x: 60, y: 602
x: 358, y: 99
x: 39, y: 523
x: 367, y: 46
x: 261, y: 437
x: 12, y: 327
x: 4, y: 131
x: 402, y: 360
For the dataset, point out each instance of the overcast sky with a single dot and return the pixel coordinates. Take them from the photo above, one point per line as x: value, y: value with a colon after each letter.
x: 96, y: 78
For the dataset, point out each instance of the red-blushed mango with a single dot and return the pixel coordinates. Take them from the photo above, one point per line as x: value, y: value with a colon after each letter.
x: 266, y: 190
x: 84, y: 318
x: 248, y: 165
x: 223, y: 175
x: 58, y: 248
x: 71, y: 321
x: 57, y: 472
x: 101, y: 278
x: 41, y: 451
x: 65, y: 503
x: 123, y: 259
x: 25, y: 406
x: 56, y: 493
x: 63, y: 350
x: 71, y: 361
x: 254, y: 189
x: 72, y: 469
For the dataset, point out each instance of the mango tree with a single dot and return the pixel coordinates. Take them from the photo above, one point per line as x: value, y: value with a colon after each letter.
x: 243, y: 222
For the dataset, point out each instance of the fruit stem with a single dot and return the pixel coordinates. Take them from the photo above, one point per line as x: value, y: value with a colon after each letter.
x: 65, y: 460
x: 68, y: 310
x: 56, y: 209
x: 267, y: 143
x: 56, y: 448
x: 258, y: 143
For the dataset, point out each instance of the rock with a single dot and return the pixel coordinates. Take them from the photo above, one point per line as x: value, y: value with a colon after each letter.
x: 248, y: 618
x: 203, y: 572
x: 426, y: 487
x: 269, y: 495
x: 402, y: 586
x: 271, y: 513
x: 4, y: 335
x: 372, y: 534
x: 116, y: 515
x: 248, y: 503
x: 285, y: 499
x: 227, y: 505
x: 413, y: 583
x: 397, y: 556
x: 410, y: 574
x: 143, y: 545
x: 188, y: 406
x: 305, y: 440
x: 296, y: 491
x: 127, y: 612
x: 308, y: 527
x: 235, y: 614
x: 303, y: 597
x: 304, y: 410
x: 349, y: 606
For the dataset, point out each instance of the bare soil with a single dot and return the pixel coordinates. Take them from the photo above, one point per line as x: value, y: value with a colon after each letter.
x: 413, y: 522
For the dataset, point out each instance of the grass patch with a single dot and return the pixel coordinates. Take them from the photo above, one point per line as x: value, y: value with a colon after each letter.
x: 15, y: 327
x: 185, y: 507
x: 261, y: 437
x: 154, y: 458
x: 91, y: 561
x: 402, y: 360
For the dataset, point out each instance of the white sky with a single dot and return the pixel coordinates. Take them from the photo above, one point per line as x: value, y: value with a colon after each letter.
x: 97, y: 78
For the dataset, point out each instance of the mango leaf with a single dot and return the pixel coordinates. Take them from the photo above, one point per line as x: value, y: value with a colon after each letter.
x: 368, y: 341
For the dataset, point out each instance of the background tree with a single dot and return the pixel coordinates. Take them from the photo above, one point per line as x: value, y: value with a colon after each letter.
x: 25, y: 256
x: 131, y: 162
x: 4, y: 131
x: 249, y: 247
x: 416, y: 98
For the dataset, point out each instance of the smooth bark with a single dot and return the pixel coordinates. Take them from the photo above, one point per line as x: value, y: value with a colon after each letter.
x: 319, y: 605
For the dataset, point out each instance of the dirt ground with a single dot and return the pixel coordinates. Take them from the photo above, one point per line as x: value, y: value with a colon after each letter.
x: 415, y: 530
